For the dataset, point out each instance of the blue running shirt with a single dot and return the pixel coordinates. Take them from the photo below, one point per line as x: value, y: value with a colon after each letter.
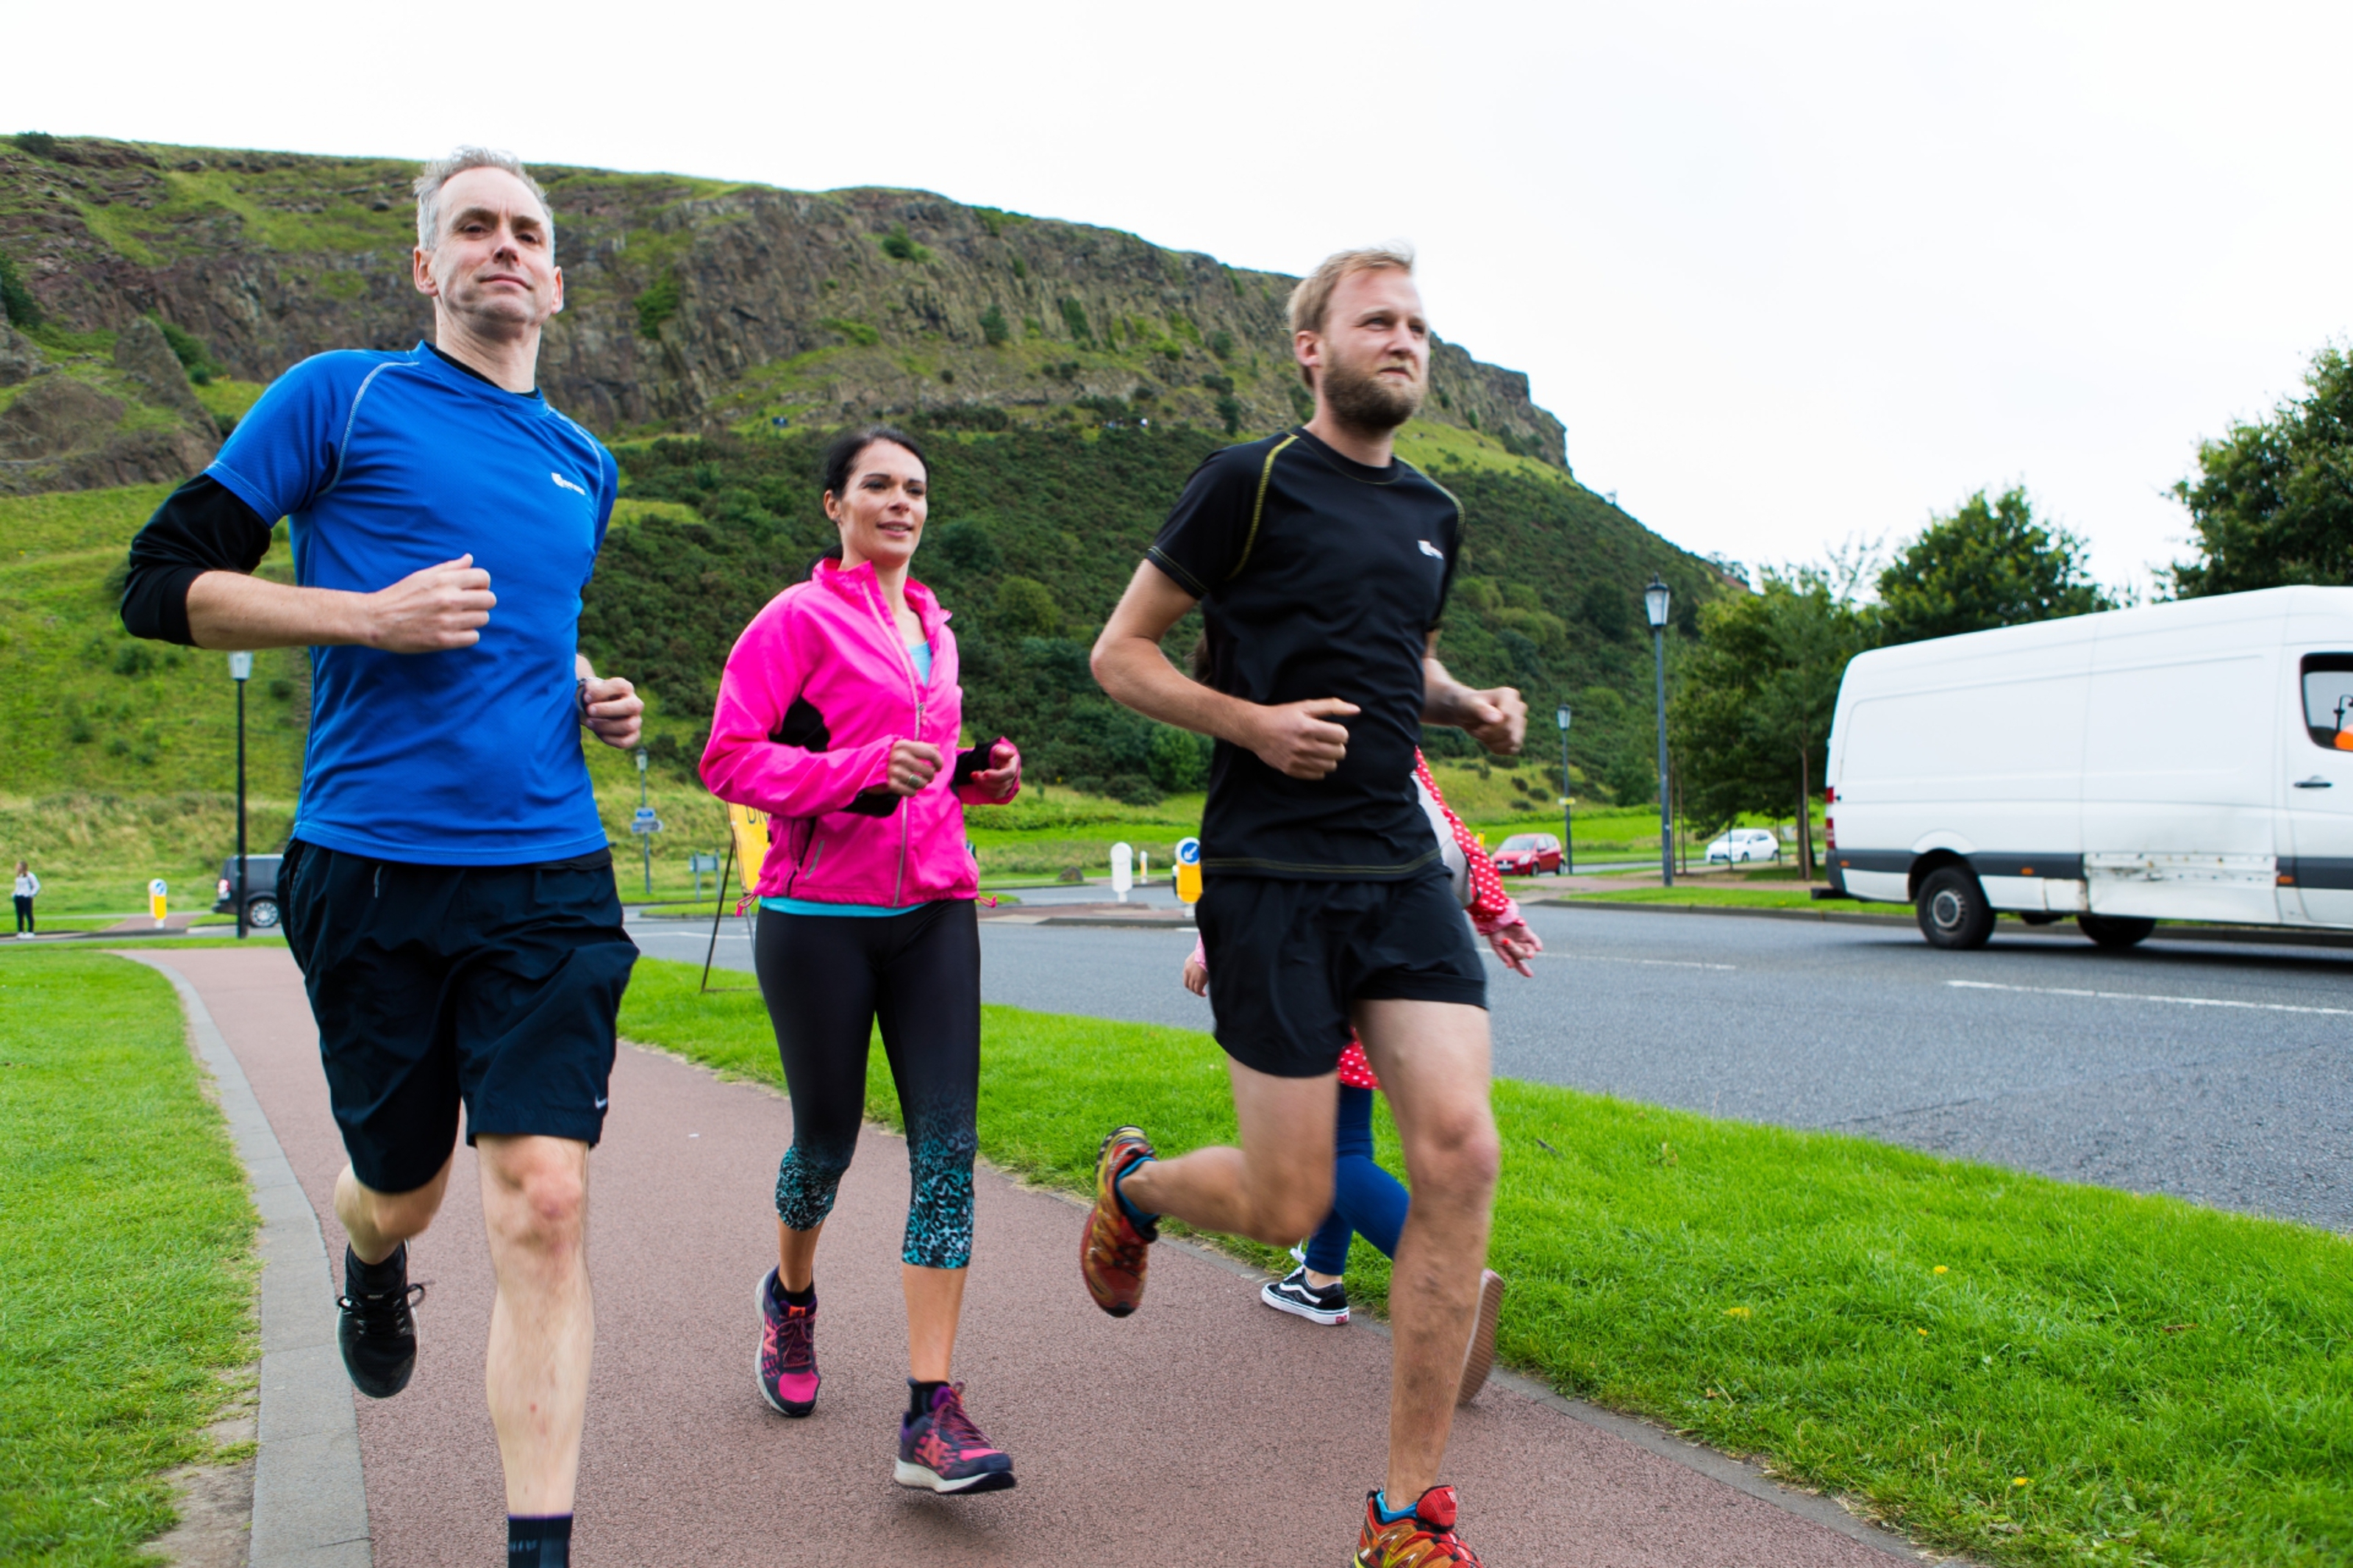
x: 385, y: 464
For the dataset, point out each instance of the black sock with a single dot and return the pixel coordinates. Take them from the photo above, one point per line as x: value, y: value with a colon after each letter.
x: 539, y: 1541
x: 919, y: 1397
x: 374, y: 1279
x: 801, y: 1299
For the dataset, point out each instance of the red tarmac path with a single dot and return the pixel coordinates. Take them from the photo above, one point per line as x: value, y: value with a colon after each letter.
x: 1205, y: 1429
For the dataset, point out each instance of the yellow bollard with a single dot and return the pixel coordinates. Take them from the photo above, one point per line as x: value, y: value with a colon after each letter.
x: 156, y: 900
x: 1188, y: 871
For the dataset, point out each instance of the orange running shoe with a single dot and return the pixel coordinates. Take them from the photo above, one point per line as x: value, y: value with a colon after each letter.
x: 1422, y: 1539
x: 1111, y: 1256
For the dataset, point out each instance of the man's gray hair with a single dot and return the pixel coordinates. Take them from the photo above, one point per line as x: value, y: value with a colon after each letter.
x: 441, y: 171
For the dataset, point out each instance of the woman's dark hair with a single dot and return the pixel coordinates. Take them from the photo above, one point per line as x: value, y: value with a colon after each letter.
x: 841, y: 456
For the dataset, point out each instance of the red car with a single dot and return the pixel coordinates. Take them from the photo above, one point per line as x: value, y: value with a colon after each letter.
x: 1528, y: 855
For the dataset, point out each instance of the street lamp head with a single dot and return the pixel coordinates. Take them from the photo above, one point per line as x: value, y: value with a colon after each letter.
x: 1560, y: 717
x: 240, y: 667
x: 1655, y: 603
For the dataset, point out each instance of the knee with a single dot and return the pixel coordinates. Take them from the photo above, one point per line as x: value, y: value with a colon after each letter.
x: 1456, y: 1155
x: 546, y: 1206
x: 1282, y: 1218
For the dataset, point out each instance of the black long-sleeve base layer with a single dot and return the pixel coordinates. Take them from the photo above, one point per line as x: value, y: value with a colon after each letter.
x: 201, y: 527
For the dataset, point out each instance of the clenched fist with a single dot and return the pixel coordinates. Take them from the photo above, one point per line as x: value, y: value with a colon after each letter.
x: 431, y: 610
x: 1299, y: 739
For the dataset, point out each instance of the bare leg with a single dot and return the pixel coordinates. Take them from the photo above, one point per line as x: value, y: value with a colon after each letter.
x: 1433, y: 1058
x: 1277, y: 1186
x: 377, y: 1222
x: 934, y: 1302
x: 543, y: 1323
x: 796, y: 1255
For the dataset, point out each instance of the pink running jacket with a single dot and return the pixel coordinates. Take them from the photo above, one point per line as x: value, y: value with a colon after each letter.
x: 816, y: 690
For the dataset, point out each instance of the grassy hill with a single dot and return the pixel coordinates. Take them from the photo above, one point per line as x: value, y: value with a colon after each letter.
x: 1066, y: 379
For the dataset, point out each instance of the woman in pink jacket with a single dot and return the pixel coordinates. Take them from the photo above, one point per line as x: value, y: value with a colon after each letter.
x: 839, y: 715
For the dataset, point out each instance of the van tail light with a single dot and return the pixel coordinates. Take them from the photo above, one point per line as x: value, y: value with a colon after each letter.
x: 1830, y: 828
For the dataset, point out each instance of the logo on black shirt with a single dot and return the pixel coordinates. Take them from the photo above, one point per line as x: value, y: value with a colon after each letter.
x: 1431, y: 551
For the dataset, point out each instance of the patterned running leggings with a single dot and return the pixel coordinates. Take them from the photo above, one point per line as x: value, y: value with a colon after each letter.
x: 827, y: 981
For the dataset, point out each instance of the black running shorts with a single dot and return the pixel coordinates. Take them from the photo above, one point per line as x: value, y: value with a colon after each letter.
x: 1287, y: 958
x: 491, y: 986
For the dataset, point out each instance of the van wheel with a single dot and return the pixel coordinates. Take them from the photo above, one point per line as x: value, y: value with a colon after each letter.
x: 1953, y: 911
x: 2116, y: 931
x: 262, y: 914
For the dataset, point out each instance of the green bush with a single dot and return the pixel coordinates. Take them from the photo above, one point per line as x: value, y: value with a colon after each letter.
x: 1074, y: 316
x: 1229, y: 413
x: 1179, y: 760
x: 190, y: 351
x: 657, y: 305
x: 857, y: 331
x: 1026, y: 609
x: 22, y: 311
x: 993, y: 326
x: 1221, y: 343
x: 39, y: 144
x: 1021, y: 271
x: 898, y: 248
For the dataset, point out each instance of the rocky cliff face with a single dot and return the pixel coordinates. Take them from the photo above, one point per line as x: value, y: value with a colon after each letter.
x: 693, y: 305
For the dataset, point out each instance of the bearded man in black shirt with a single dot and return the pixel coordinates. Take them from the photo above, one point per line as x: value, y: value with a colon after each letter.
x: 1321, y: 563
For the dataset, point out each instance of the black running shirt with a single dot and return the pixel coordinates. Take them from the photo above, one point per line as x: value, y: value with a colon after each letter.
x: 1317, y: 577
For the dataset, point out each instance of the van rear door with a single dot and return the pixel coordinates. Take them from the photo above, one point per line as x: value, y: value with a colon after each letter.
x: 2320, y: 790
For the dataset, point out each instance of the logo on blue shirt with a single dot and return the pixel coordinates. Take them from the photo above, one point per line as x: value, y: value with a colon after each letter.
x: 578, y: 490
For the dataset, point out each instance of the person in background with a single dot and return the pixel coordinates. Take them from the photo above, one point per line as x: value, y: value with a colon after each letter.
x: 28, y: 888
x: 1367, y: 1200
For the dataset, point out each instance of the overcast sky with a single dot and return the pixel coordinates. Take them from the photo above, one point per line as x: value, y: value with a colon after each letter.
x: 1792, y: 275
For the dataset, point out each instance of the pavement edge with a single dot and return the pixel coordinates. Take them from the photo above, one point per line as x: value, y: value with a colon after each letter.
x: 310, y: 1499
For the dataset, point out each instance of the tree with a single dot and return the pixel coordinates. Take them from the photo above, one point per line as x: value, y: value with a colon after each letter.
x: 1991, y: 563
x: 1750, y: 719
x: 2273, y: 503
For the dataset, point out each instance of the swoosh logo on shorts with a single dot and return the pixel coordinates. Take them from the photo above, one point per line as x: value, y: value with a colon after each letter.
x: 602, y: 1102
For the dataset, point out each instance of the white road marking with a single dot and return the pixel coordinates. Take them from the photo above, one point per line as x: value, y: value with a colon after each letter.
x: 1653, y: 962
x: 2144, y: 996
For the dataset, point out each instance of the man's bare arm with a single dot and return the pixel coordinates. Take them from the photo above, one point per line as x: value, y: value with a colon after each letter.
x: 1496, y: 717
x: 442, y: 607
x: 1294, y: 738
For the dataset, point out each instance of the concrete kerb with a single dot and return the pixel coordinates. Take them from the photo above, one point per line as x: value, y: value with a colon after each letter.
x: 310, y: 1501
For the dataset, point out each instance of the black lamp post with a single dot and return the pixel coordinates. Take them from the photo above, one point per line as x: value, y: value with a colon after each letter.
x: 1654, y: 606
x: 1567, y: 809
x: 240, y: 670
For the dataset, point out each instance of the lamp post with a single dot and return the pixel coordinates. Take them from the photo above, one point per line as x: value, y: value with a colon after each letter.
x: 644, y: 811
x: 1654, y: 606
x: 1567, y: 809
x: 240, y: 670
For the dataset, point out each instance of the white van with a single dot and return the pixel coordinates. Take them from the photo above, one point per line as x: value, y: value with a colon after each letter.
x: 2189, y: 761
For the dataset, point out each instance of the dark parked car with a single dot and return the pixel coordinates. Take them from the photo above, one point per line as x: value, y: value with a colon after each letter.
x: 1528, y: 855
x: 260, y: 889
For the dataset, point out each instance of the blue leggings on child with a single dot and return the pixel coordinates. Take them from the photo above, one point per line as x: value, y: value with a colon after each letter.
x: 1366, y: 1200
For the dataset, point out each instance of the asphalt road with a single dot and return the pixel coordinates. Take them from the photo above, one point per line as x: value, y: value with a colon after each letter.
x: 2219, y: 1073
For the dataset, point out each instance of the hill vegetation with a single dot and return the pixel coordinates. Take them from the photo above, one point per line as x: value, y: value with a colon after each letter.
x: 1065, y: 380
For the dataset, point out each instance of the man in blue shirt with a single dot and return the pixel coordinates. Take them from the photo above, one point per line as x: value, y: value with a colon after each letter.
x: 447, y: 888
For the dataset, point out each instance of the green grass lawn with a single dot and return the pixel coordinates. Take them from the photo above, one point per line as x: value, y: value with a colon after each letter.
x: 126, y: 1286
x: 2024, y: 1370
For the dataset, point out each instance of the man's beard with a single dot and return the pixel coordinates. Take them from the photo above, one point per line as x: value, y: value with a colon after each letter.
x: 1362, y: 401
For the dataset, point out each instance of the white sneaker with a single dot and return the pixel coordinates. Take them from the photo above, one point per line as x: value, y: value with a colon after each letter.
x: 1480, y: 1358
x: 1294, y: 1295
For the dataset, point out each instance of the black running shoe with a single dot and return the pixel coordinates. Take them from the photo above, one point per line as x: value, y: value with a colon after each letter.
x: 1294, y: 1295
x: 379, y: 1331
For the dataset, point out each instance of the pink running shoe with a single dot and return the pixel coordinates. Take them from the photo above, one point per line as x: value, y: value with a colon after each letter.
x: 786, y: 1363
x: 943, y: 1451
